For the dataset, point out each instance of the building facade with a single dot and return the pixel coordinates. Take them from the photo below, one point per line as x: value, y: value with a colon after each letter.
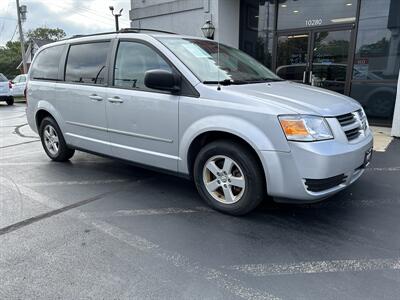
x: 348, y: 46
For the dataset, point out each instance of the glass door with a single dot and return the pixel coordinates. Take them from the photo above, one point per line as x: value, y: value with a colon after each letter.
x: 293, y: 57
x: 330, y: 60
x: 316, y: 57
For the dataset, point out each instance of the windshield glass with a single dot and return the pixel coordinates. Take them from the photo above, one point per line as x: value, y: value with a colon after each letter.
x: 201, y: 57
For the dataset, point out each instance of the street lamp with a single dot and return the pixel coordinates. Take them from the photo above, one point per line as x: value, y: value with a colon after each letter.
x: 208, y: 30
x: 116, y: 16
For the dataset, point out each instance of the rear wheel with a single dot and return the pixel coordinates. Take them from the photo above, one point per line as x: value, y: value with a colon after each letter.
x: 53, y: 141
x: 229, y: 177
x: 10, y: 100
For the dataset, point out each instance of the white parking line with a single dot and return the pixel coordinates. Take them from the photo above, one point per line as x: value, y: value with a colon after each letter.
x: 314, y: 267
x: 388, y: 169
x: 160, y: 211
x: 24, y: 154
x: 219, y: 278
x: 82, y: 182
x: 34, y: 163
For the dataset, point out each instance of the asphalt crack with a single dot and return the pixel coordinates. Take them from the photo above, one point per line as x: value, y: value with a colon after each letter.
x: 21, y: 224
x: 19, y: 144
x: 17, y: 131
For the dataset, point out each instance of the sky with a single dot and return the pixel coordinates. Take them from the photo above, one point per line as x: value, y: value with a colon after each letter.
x: 74, y: 16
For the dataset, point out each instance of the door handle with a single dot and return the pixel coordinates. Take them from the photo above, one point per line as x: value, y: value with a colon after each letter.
x: 115, y: 100
x: 96, y: 97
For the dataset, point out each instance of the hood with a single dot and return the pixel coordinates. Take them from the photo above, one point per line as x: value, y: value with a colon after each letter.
x: 297, y: 97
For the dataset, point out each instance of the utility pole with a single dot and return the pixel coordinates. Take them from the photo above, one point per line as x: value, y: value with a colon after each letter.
x: 22, y: 11
x: 116, y: 16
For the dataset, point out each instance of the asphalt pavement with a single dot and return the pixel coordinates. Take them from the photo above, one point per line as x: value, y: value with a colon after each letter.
x: 97, y: 228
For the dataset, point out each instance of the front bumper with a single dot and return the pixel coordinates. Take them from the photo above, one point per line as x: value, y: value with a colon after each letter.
x: 286, y: 172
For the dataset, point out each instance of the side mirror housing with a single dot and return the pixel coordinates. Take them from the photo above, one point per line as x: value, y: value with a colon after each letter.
x: 162, y: 80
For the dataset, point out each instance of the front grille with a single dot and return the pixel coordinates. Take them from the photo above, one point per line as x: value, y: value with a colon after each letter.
x: 346, y: 119
x: 319, y: 185
x: 352, y: 133
x: 352, y: 124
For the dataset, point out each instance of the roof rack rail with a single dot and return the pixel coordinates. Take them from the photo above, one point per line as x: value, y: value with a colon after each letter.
x: 123, y: 30
x: 137, y: 30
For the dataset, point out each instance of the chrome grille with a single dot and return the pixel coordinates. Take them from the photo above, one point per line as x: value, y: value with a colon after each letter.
x: 346, y: 119
x: 353, y: 124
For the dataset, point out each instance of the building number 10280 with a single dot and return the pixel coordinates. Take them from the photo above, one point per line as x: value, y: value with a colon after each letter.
x: 313, y: 22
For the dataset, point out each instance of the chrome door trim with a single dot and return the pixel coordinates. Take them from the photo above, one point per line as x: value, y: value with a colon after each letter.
x: 138, y: 135
x: 87, y: 126
x: 124, y: 147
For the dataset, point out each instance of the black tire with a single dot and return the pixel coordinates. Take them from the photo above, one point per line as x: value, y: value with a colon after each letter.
x: 10, y: 100
x: 64, y: 153
x: 255, y: 186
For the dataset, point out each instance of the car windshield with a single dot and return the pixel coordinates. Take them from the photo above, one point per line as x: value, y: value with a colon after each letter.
x: 2, y: 78
x: 234, y: 67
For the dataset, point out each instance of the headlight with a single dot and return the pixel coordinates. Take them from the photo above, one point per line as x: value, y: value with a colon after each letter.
x: 303, y: 128
x: 363, y: 119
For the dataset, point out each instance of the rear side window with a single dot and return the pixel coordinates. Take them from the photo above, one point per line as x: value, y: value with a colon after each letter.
x: 87, y: 63
x: 2, y: 78
x: 46, y: 64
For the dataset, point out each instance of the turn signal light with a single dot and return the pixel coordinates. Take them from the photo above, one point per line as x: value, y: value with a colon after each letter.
x: 294, y: 127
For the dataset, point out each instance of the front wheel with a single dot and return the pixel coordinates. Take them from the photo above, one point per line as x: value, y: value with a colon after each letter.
x: 229, y: 177
x: 53, y: 141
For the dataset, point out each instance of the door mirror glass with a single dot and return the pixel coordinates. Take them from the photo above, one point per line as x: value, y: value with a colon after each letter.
x: 162, y: 80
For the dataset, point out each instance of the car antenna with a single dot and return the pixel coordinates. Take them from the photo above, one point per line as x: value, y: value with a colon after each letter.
x: 218, y: 70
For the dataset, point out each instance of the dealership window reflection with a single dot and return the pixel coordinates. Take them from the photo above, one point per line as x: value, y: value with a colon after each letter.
x: 377, y: 58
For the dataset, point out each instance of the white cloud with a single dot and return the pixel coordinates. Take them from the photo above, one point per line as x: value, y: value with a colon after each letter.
x: 74, y: 16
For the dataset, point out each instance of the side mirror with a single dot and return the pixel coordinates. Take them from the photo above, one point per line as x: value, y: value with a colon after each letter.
x: 162, y: 80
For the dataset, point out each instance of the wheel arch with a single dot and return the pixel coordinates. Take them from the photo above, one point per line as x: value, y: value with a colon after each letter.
x: 45, y: 109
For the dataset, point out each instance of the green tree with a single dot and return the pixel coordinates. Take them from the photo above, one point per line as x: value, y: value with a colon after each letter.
x: 44, y: 33
x: 10, y: 57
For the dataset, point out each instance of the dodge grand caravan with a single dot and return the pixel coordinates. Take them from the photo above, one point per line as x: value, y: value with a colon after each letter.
x: 179, y: 104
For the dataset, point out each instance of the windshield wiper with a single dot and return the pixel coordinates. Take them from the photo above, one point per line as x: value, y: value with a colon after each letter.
x: 272, y: 79
x: 222, y: 82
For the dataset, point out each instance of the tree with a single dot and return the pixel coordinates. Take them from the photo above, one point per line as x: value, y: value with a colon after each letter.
x: 43, y: 33
x: 10, y: 57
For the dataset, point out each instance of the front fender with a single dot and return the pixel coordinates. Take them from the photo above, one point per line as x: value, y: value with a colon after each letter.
x: 243, y: 129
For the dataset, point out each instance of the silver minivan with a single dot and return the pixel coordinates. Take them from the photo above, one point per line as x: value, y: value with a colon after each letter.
x: 191, y: 107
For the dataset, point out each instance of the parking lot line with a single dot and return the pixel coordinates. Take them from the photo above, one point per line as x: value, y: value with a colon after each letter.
x: 314, y: 267
x: 48, y: 162
x: 81, y: 182
x: 160, y: 211
x: 221, y: 279
x: 389, y: 169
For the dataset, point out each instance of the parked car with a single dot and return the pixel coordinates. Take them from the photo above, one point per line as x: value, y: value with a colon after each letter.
x: 5, y: 90
x: 18, y: 85
x: 189, y: 107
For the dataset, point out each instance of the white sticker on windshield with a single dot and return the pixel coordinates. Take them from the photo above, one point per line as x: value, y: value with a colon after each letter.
x: 196, y: 51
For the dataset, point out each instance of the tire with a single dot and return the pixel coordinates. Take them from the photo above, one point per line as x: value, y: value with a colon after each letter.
x: 10, y: 101
x: 243, y: 183
x: 53, y: 141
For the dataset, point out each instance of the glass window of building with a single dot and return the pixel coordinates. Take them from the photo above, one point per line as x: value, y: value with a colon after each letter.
x: 257, y: 29
x: 312, y: 13
x: 377, y: 58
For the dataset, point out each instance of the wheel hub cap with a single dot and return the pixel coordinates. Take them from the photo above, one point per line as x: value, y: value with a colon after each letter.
x: 224, y: 179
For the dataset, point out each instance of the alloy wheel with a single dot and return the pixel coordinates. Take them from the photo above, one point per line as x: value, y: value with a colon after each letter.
x: 224, y: 179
